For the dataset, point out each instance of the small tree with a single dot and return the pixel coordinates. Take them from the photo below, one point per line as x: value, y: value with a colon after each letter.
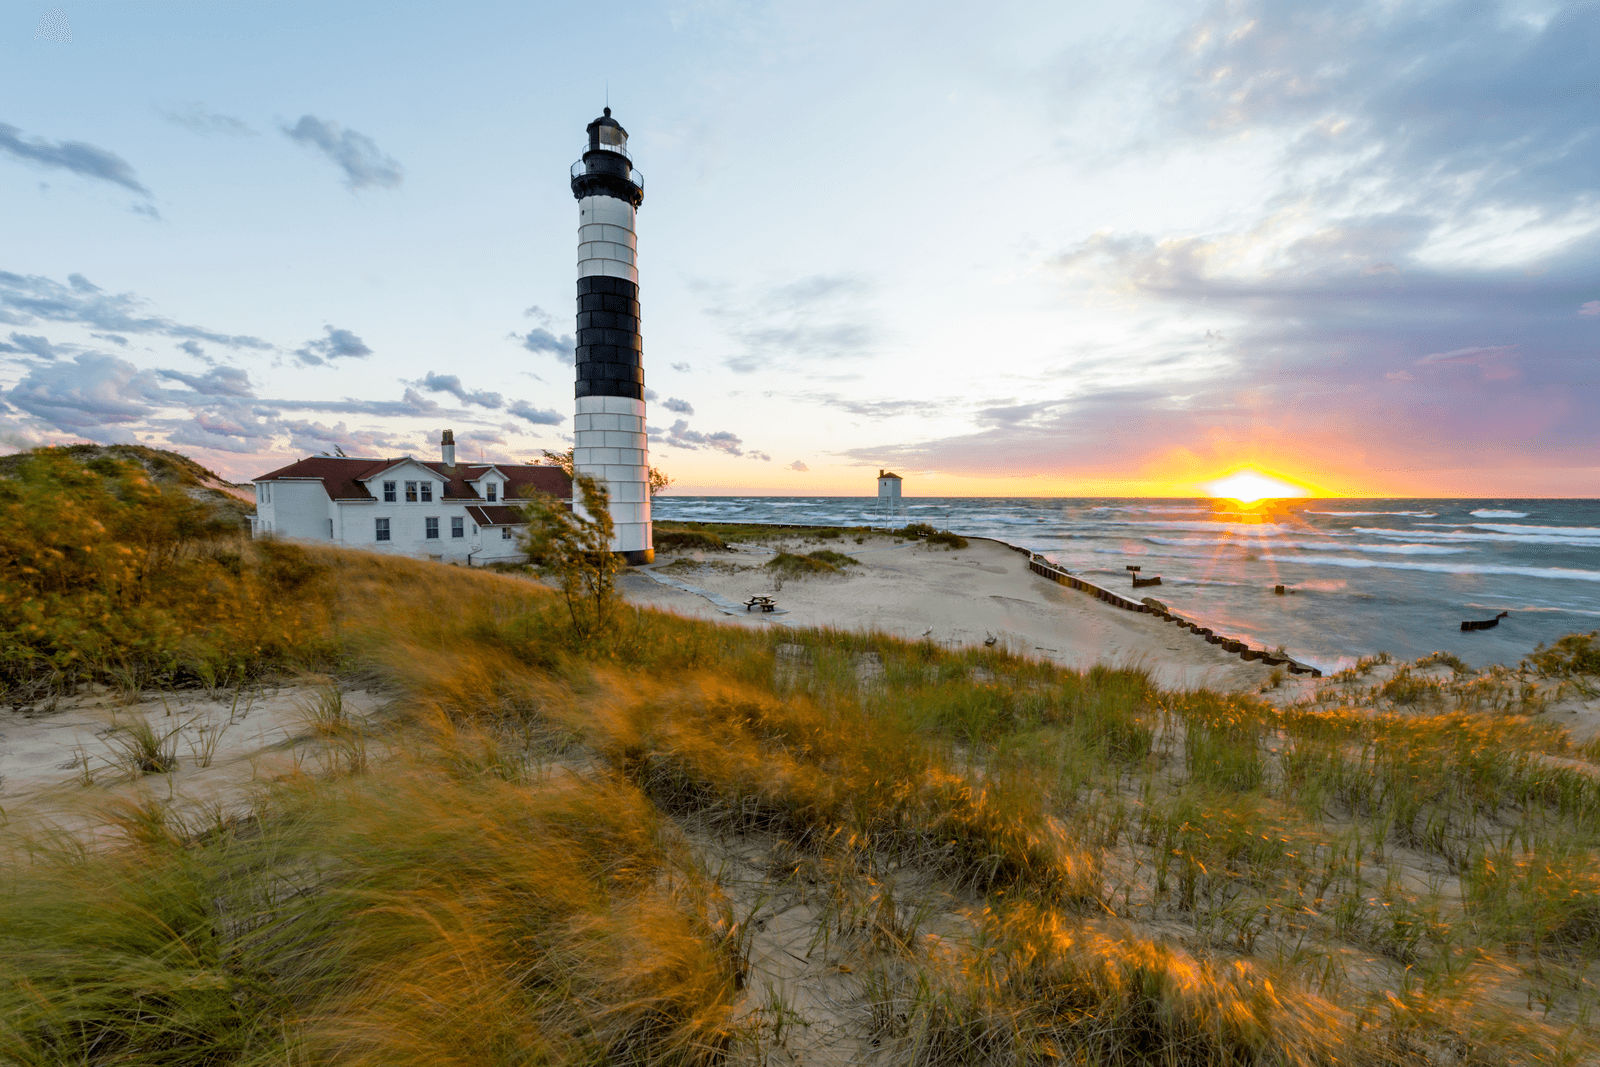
x: 574, y: 547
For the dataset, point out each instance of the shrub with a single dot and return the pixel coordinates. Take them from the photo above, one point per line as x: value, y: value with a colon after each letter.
x: 574, y: 547
x: 1573, y: 654
x: 828, y: 555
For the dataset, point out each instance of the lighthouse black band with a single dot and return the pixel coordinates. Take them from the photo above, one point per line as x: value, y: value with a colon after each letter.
x: 610, y: 353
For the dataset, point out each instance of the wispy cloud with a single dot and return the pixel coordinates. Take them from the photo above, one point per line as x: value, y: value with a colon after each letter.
x: 218, y: 381
x: 30, y: 298
x: 84, y: 160
x: 195, y: 116
x: 89, y: 391
x: 679, y: 407
x: 364, y: 165
x: 537, y: 416
x: 819, y: 317
x: 338, y: 344
x: 450, y: 383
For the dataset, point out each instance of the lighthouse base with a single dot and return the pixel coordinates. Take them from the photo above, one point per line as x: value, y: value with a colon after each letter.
x: 609, y: 444
x: 640, y: 557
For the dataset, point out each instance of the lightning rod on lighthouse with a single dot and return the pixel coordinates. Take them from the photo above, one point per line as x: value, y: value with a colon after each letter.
x: 609, y: 430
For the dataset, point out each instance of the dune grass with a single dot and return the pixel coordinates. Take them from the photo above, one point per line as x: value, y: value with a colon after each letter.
x: 1013, y: 863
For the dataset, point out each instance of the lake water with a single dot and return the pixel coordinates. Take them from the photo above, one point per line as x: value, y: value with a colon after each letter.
x: 1362, y: 576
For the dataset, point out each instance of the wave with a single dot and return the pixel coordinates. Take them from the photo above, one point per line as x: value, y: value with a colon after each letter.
x: 1259, y: 529
x: 1552, y: 531
x: 1317, y: 546
x: 1466, y: 536
x: 1488, y: 513
x: 1154, y: 510
x: 1559, y: 573
x: 1416, y: 514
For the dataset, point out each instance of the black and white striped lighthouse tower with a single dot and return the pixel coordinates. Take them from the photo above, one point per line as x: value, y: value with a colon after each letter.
x: 609, y: 433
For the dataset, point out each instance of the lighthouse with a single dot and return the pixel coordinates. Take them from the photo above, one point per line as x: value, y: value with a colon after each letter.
x: 609, y: 432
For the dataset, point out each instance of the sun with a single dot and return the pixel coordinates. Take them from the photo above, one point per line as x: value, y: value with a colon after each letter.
x: 1250, y: 487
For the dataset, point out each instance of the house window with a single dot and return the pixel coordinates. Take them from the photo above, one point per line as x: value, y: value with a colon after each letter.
x: 427, y: 492
x: 432, y: 525
x: 491, y: 490
x: 383, y: 529
x: 411, y: 492
x: 330, y: 529
x: 458, y: 526
x: 505, y: 533
x: 388, y: 492
x: 261, y: 494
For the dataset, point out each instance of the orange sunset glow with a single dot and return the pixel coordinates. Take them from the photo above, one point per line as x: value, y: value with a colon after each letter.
x: 1250, y: 487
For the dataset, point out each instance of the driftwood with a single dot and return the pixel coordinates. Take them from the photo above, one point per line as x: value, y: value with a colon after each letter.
x: 1484, y: 624
x: 1139, y: 583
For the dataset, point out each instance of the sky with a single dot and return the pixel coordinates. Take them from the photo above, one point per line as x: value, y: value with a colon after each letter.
x: 1020, y: 249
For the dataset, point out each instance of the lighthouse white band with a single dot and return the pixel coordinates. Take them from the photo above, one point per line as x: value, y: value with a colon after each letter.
x: 609, y: 444
x: 606, y: 241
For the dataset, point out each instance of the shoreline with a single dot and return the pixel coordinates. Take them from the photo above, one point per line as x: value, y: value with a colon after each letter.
x: 982, y: 594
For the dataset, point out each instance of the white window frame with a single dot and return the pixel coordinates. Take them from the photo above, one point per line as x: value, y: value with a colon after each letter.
x: 430, y: 528
x: 381, y: 530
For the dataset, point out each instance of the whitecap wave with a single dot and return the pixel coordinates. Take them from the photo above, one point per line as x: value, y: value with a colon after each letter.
x: 1551, y: 531
x: 1466, y: 536
x: 1489, y: 513
x: 1558, y: 573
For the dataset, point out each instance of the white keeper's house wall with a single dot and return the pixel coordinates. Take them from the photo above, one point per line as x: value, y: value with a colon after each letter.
x: 444, y: 511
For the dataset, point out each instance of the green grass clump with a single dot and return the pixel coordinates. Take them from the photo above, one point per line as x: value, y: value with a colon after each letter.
x: 789, y: 565
x: 926, y: 532
x: 689, y: 541
x: 828, y: 555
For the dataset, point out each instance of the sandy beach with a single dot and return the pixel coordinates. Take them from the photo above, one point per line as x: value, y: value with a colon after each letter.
x: 955, y: 597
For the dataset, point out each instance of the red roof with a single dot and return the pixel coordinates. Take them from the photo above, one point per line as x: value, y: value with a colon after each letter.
x: 340, y: 477
x: 497, y: 515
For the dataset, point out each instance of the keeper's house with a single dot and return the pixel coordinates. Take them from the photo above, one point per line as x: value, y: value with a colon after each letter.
x: 436, y: 510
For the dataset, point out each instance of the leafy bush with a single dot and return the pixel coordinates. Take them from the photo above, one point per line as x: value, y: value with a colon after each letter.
x: 1573, y: 654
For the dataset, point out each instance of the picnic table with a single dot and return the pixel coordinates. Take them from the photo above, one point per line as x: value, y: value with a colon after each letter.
x: 765, y: 603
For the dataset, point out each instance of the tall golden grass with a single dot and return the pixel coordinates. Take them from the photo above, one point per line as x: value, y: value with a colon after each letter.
x: 1142, y: 877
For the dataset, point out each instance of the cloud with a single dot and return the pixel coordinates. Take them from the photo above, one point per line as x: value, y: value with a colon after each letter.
x: 194, y: 116
x: 354, y: 153
x: 194, y: 349
x: 682, y: 368
x: 797, y: 466
x: 537, y: 416
x: 38, y: 346
x: 84, y: 160
x: 411, y: 403
x: 816, y: 317
x: 681, y: 407
x: 540, y: 339
x: 339, y: 344
x: 450, y: 383
x: 218, y: 381
x: 1591, y: 307
x: 877, y: 409
x: 679, y: 435
x: 1466, y: 101
x: 87, y: 392
x: 315, y: 437
x: 25, y: 299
